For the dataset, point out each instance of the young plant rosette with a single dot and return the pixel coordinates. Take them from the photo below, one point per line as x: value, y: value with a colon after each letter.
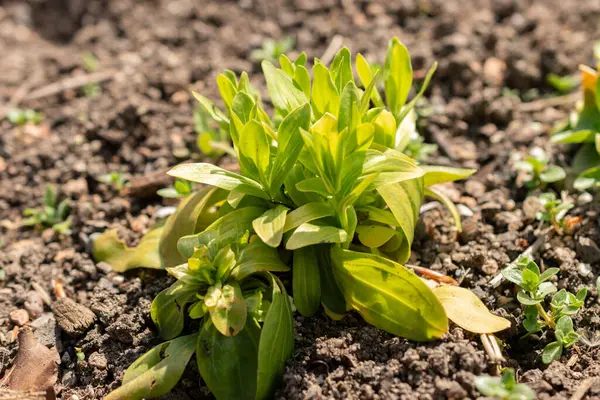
x: 324, y: 191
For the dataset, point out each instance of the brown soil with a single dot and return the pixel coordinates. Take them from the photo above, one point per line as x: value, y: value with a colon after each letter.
x: 493, y: 56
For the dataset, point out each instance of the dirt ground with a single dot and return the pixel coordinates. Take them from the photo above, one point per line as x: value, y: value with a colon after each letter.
x: 493, y: 57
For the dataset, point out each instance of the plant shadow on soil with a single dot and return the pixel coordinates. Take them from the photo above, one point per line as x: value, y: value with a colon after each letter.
x: 493, y: 56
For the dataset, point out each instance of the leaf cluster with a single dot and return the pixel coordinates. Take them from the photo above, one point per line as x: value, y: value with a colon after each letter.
x: 504, y: 387
x: 582, y: 128
x: 115, y: 179
x: 53, y: 214
x: 553, y: 210
x: 534, y: 289
x: 271, y: 49
x: 325, y: 190
x: 20, y: 117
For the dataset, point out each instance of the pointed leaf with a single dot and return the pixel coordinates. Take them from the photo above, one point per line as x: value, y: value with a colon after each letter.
x: 269, y: 226
x: 284, y: 94
x: 306, y: 281
x: 308, y: 234
x: 112, y: 250
x: 435, y: 174
x: 306, y: 213
x: 389, y: 296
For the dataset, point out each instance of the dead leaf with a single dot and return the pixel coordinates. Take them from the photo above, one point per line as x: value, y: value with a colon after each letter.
x: 467, y: 311
x: 34, y: 368
x: 112, y: 250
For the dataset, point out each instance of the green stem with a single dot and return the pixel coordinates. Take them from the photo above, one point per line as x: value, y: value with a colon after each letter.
x: 549, y: 321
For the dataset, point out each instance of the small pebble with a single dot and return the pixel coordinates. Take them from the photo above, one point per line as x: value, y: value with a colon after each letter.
x: 97, y: 360
x: 19, y: 317
x: 584, y: 198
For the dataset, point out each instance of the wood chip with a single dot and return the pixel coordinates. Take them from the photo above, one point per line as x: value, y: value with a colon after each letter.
x: 73, y: 318
x: 147, y: 185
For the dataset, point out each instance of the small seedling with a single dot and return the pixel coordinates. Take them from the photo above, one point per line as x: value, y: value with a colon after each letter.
x: 211, y: 141
x: 418, y: 149
x: 553, y: 211
x: 272, y: 49
x: 53, y: 214
x: 539, y: 170
x: 90, y: 63
x: 535, y: 287
x: 505, y: 387
x: 115, y: 179
x: 181, y: 188
x: 20, y: 117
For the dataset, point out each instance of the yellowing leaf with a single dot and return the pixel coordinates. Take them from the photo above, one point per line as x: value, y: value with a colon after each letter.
x: 467, y: 311
x: 112, y: 250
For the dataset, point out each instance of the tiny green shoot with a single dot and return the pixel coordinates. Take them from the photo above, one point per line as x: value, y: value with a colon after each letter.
x: 538, y: 169
x: 504, y: 387
x: 534, y: 289
x: 20, y: 117
x: 553, y: 210
x: 90, y: 64
x: 115, y: 179
x: 272, y: 49
x: 180, y: 189
x: 53, y: 214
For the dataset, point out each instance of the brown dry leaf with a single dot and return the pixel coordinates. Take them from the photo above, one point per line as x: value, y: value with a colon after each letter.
x: 467, y: 311
x: 34, y: 368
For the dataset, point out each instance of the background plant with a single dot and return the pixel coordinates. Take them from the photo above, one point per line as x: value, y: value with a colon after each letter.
x: 539, y: 170
x: 554, y: 210
x: 534, y: 288
x: 20, y: 117
x: 53, y: 214
x: 324, y: 189
x: 271, y: 49
x: 583, y: 128
x: 504, y: 387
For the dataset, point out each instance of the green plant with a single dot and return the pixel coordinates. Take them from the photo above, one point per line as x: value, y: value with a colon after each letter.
x: 180, y: 189
x: 53, y: 214
x: 211, y: 141
x: 505, y: 387
x: 583, y: 128
x: 539, y: 170
x: 20, y: 117
x: 553, y: 210
x: 116, y: 179
x: 324, y: 191
x: 534, y: 288
x: 90, y: 63
x: 272, y: 49
x: 563, y: 84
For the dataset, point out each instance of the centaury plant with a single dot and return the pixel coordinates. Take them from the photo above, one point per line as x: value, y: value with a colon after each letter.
x: 324, y: 190
x: 534, y: 288
x: 583, y: 128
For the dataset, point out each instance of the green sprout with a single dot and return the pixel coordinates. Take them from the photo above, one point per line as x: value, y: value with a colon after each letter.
x: 534, y: 288
x: 505, y: 387
x: 53, y: 214
x: 211, y: 141
x: 20, y: 117
x: 272, y: 49
x: 553, y: 210
x: 180, y: 189
x: 90, y: 63
x: 116, y: 179
x: 325, y: 194
x: 539, y: 170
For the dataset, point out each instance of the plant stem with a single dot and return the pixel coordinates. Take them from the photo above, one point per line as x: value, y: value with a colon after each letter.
x: 549, y: 321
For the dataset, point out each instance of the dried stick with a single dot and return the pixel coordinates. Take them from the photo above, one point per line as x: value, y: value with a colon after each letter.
x: 71, y: 82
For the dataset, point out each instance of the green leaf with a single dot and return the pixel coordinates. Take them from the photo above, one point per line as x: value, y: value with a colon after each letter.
x: 349, y: 113
x: 325, y: 97
x: 552, y: 352
x: 367, y: 78
x: 289, y: 145
x: 374, y: 236
x: 407, y: 108
x: 491, y: 386
x: 284, y: 94
x: 525, y: 299
x: 156, y: 372
x: 565, y: 325
x: 306, y: 281
x: 397, y: 75
x: 236, y: 223
x: 242, y: 106
x: 308, y: 234
x: 385, y: 129
x: 167, y: 312
x: 254, y: 147
x: 439, y: 174
x: 219, y: 116
x: 404, y: 201
x: 227, y: 89
x: 269, y: 226
x: 302, y: 78
x: 228, y: 364
x: 581, y: 136
x: 389, y: 296
x: 446, y: 202
x: 227, y: 308
x: 406, y: 131
x: 341, y: 68
x: 306, y: 213
x: 194, y: 214
x: 553, y: 173
x: 331, y: 293
x: 209, y: 174
x: 276, y: 341
x: 581, y: 294
x: 258, y: 257
x: 548, y: 273
x: 112, y: 250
